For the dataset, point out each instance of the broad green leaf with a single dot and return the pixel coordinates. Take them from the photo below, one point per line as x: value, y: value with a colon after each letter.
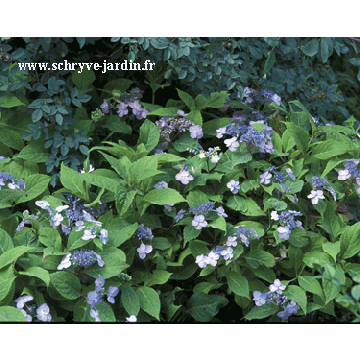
x: 261, y: 312
x: 296, y: 293
x: 332, y: 248
x: 12, y: 255
x: 73, y: 181
x: 106, y: 313
x: 204, y: 307
x: 67, y: 284
x: 164, y: 196
x: 130, y: 300
x: 238, y: 284
x: 9, y: 101
x: 37, y: 272
x: 219, y: 223
x: 149, y: 135
x: 320, y: 258
x: 149, y: 301
x: 6, y: 242
x: 35, y: 185
x: 158, y: 277
x: 83, y: 78
x: 144, y: 168
x: 350, y: 241
x: 256, y: 258
x: 11, y: 314
x: 308, y: 283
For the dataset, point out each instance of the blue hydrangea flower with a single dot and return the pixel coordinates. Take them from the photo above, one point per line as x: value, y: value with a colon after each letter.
x: 277, y: 287
x: 290, y: 309
x: 199, y: 222
x: 232, y: 143
x: 221, y: 212
x: 227, y: 253
x: 344, y: 175
x: 196, y: 132
x: 220, y: 132
x: 95, y: 315
x: 201, y: 260
x: 168, y: 207
x: 43, y: 313
x: 42, y: 204
x: 234, y: 186
x: 276, y: 99
x: 291, y: 174
x: 259, y: 298
x: 212, y: 258
x: 112, y: 292
x: 143, y: 232
x: 284, y: 232
x: 94, y: 298
x: 161, y: 185
x: 231, y: 241
x: 265, y: 178
x: 179, y: 215
x: 203, y: 209
x: 20, y: 302
x: 27, y: 316
x: 143, y: 250
x: 99, y: 283
x: 184, y: 177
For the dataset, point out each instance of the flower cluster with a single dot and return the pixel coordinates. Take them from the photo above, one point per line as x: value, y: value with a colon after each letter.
x: 248, y: 134
x: 275, y: 295
x: 288, y: 218
x: 260, y: 97
x: 350, y: 172
x: 212, y: 153
x: 43, y: 311
x: 203, y: 209
x: 234, y: 186
x: 226, y: 251
x: 200, y: 211
x: 320, y: 182
x: 169, y: 125
x: 95, y: 297
x: 265, y: 179
x: 128, y: 100
x: 82, y: 257
x: 4, y: 176
x: 144, y: 233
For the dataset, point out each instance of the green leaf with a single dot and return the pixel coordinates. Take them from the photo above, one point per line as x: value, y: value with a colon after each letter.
x: 258, y: 257
x: 11, y: 139
x: 238, y: 284
x: 35, y: 185
x: 123, y: 199
x: 164, y: 196
x: 237, y: 203
x: 204, y: 307
x: 34, y: 152
x: 219, y: 223
x: 6, y: 242
x: 311, y: 48
x: 300, y: 136
x: 187, y: 99
x: 114, y: 265
x: 12, y: 255
x: 308, y: 283
x: 332, y: 248
x: 320, y: 258
x: 144, y: 168
x: 67, y: 284
x: 149, y: 135
x: 130, y: 300
x: 190, y: 233
x: 158, y: 277
x: 326, y: 46
x: 73, y: 181
x: 269, y: 61
x: 106, y: 313
x: 9, y: 101
x: 6, y: 281
x: 350, y: 241
x: 83, y: 79
x: 37, y: 272
x: 75, y: 240
x: 295, y: 257
x: 11, y: 314
x: 252, y: 208
x: 261, y: 312
x: 149, y: 301
x: 296, y: 293
x: 120, y: 231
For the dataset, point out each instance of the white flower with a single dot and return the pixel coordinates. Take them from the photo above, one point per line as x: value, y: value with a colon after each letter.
x: 143, y: 250
x: 131, y: 318
x: 344, y: 175
x: 61, y: 208
x: 274, y: 215
x: 231, y: 241
x: 42, y: 204
x: 201, y: 260
x: 228, y: 253
x: 284, y: 232
x: 316, y: 195
x: 65, y: 262
x: 212, y: 258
